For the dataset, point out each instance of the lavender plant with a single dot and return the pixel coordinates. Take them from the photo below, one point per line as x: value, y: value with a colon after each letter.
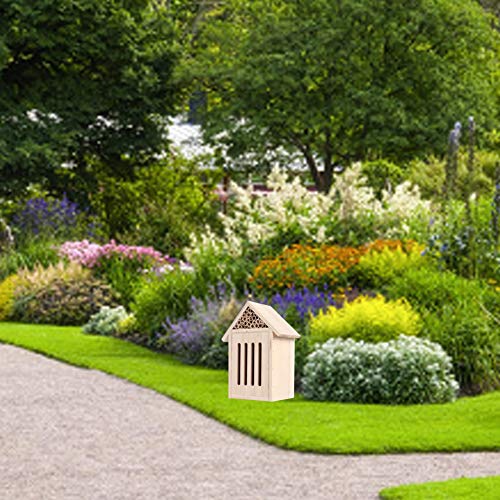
x: 195, y: 339
x: 40, y: 215
x: 297, y: 305
x: 51, y: 218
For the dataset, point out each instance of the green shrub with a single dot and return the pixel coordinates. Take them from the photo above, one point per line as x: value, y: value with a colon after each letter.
x: 381, y: 174
x: 429, y: 174
x: 472, y: 339
x: 60, y: 295
x: 165, y: 297
x: 106, y: 321
x: 430, y: 289
x: 126, y: 326
x: 463, y: 316
x: 7, y: 288
x: 169, y: 296
x: 162, y: 204
x: 378, y: 268
x: 371, y: 319
x: 29, y: 256
x: 403, y: 371
x: 212, y: 268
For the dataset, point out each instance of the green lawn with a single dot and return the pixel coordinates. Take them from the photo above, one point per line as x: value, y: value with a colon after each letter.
x: 484, y: 488
x: 468, y: 424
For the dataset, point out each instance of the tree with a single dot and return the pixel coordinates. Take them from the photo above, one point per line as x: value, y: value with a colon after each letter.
x: 492, y: 6
x: 82, y: 83
x: 345, y: 80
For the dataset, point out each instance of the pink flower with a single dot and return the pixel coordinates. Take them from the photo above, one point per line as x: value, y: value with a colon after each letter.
x: 92, y: 254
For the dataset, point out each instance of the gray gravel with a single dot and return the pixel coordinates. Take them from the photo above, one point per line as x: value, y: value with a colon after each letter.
x: 70, y: 433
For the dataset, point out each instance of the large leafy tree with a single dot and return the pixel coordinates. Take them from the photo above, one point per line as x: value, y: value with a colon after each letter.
x: 84, y: 85
x: 344, y: 80
x: 491, y: 6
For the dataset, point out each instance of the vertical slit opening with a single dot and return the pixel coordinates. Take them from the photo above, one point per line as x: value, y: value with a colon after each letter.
x: 246, y: 363
x: 260, y: 363
x: 239, y: 364
x: 252, y: 364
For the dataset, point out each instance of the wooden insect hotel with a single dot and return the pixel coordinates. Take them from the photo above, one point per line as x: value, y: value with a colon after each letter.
x: 261, y: 354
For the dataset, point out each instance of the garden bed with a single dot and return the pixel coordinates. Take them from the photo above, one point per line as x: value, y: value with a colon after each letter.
x: 469, y: 424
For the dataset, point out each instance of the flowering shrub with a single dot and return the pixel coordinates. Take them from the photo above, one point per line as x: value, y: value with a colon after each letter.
x: 404, y: 371
x: 306, y: 266
x: 50, y: 219
x: 61, y: 295
x: 467, y: 242
x: 93, y: 255
x: 257, y: 217
x: 42, y: 216
x: 106, y: 321
x: 372, y: 319
x: 290, y: 211
x: 121, y: 265
x: 196, y: 338
x: 297, y: 305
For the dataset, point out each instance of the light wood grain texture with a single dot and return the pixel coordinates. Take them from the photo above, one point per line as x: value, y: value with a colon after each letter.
x: 262, y: 356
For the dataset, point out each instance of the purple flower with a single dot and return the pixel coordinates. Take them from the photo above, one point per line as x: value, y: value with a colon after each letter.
x: 302, y: 303
x: 39, y: 216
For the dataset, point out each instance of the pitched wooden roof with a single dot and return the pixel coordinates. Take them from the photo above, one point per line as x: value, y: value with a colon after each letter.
x: 268, y: 317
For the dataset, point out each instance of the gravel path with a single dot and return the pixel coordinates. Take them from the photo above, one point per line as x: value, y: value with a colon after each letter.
x: 70, y: 433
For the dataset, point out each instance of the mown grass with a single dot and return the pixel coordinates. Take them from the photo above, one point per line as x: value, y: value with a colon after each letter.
x: 484, y: 488
x: 466, y: 425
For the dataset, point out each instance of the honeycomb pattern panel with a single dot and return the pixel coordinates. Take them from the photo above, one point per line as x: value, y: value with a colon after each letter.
x: 249, y: 320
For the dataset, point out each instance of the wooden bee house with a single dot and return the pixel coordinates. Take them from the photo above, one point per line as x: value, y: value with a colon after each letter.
x: 261, y: 354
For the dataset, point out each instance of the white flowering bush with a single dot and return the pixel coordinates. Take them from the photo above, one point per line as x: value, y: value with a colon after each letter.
x: 408, y: 370
x: 289, y: 207
x: 106, y: 321
x: 257, y: 217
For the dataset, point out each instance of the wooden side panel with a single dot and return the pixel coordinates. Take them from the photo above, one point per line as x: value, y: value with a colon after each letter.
x: 282, y: 368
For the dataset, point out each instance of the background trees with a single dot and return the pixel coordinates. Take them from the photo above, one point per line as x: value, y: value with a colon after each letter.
x: 83, y: 85
x: 348, y: 80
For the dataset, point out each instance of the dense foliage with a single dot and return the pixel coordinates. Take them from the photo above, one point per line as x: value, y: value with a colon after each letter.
x: 337, y: 82
x: 60, y: 295
x: 197, y: 338
x: 370, y: 319
x: 462, y: 315
x: 83, y: 85
x: 403, y: 371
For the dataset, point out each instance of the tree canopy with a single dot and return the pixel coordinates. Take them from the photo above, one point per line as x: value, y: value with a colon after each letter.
x: 82, y: 82
x: 345, y: 80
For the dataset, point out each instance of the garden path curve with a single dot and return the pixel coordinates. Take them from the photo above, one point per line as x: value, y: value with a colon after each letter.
x: 71, y: 433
